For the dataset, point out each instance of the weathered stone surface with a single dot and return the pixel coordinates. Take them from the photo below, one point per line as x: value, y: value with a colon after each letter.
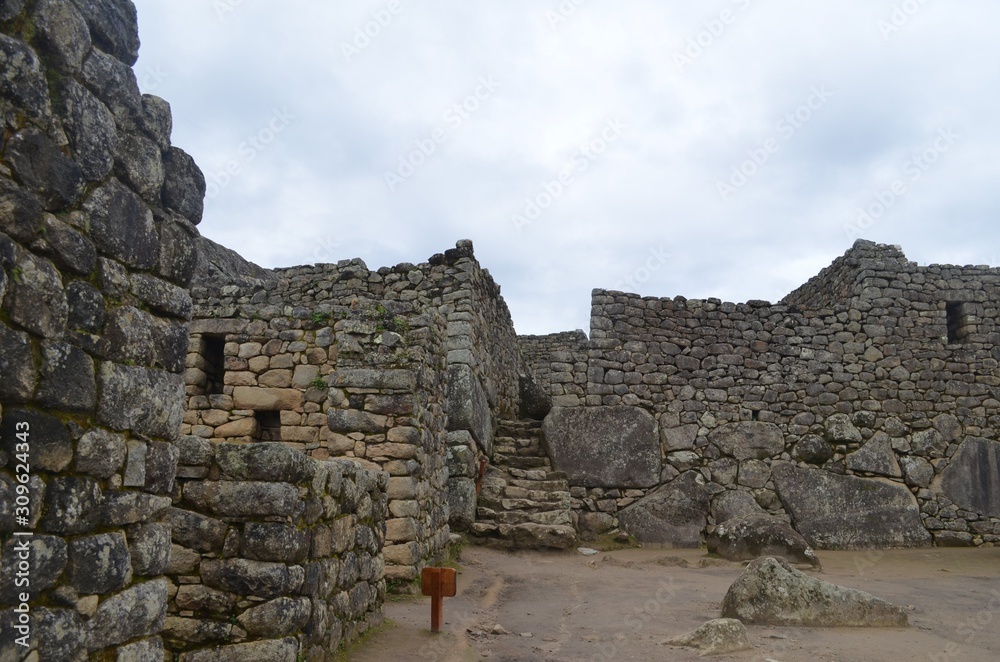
x: 21, y: 214
x: 120, y: 508
x: 718, y: 636
x: 40, y: 165
x: 184, y: 185
x: 47, y: 436
x: 114, y: 27
x: 139, y: 165
x: 846, y: 512
x: 750, y: 537
x: 16, y: 366
x: 972, y: 480
x: 73, y: 250
x: 196, y: 597
x: 277, y: 618
x: 839, y: 429
x: 90, y: 127
x: 468, y: 407
x: 273, y: 462
x: 393, y: 379
x: 748, y: 440
x: 753, y: 473
x: 178, y: 249
x: 146, y: 401
x: 267, y: 399
x: 772, y: 592
x: 162, y: 296
x: 72, y: 505
x: 194, y: 530
x: 161, y: 466
x: 37, y: 491
x: 269, y: 650
x: 47, y: 558
x: 734, y: 503
x: 678, y: 438
x: 100, y: 563
x: 139, y: 611
x: 604, y: 446
x: 86, y: 307
x: 533, y: 401
x: 63, y: 31
x: 814, y: 450
x: 244, y: 498
x: 543, y: 536
x: 928, y: 443
x: 353, y: 420
x: 272, y: 541
x: 60, y: 634
x: 35, y: 297
x: 121, y: 225
x: 875, y: 457
x: 145, y: 650
x: 23, y: 82
x: 461, y: 503
x: 149, y: 548
x: 674, y: 515
x: 245, y: 577
x: 67, y: 379
x: 194, y: 631
x: 461, y: 458
x: 918, y: 471
x: 195, y: 451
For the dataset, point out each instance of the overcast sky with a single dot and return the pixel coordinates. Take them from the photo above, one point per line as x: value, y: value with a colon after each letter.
x: 719, y: 149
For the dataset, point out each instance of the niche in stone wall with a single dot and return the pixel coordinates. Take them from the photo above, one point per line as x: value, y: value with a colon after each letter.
x: 214, y: 355
x: 268, y: 425
x: 962, y: 317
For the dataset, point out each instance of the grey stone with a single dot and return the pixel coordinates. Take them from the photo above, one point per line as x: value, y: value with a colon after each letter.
x: 195, y: 451
x: 47, y: 560
x: 16, y: 365
x: 750, y: 537
x: 193, y: 631
x: 754, y: 473
x: 91, y: 130
x: 139, y: 165
x: 245, y: 577
x: 72, y: 249
x: 135, y: 465
x: 10, y: 9
x: 184, y: 185
x: 674, y: 515
x: 51, y: 448
x: 604, y: 446
x: 928, y: 443
x: 121, y: 225
x: 178, y: 249
x: 62, y: 29
x: 35, y: 297
x: 875, y: 457
x: 60, y: 634
x: 269, y: 650
x: 716, y: 637
x: 394, y: 379
x: 772, y: 592
x: 533, y: 401
x: 748, y: 440
x: 127, y: 507
x: 949, y: 426
x: 23, y: 82
x: 194, y: 530
x: 592, y: 525
x: 347, y: 421
x: 953, y: 539
x: 100, y: 563
x: 276, y: 618
x: 678, y: 438
x: 196, y: 597
x: 138, y: 611
x: 734, y: 503
x: 918, y: 471
x: 461, y: 503
x: 72, y: 505
x: 846, y: 512
x: 273, y: 541
x: 67, y: 380
x: 684, y: 460
x: 972, y: 480
x: 114, y: 27
x: 149, y: 548
x: 461, y: 460
x: 161, y: 467
x: 100, y: 453
x: 42, y: 167
x: 530, y: 535
x: 86, y: 307
x: 8, y: 496
x: 162, y: 296
x: 145, y: 650
x: 148, y: 402
x: 814, y: 450
x: 839, y: 429
x: 244, y: 498
x: 468, y: 407
x: 21, y: 218
x: 269, y: 461
x: 159, y: 121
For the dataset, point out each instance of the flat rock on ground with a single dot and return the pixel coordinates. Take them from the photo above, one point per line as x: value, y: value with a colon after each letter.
x: 746, y: 538
x: 721, y: 635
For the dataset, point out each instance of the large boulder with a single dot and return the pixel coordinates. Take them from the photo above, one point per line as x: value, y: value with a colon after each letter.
x: 716, y: 637
x: 530, y: 535
x: 468, y: 408
x: 749, y: 440
x: 734, y: 503
x: 875, y: 457
x: 972, y: 480
x: 745, y: 538
x: 533, y: 401
x: 772, y: 592
x: 845, y: 512
x: 616, y: 447
x: 674, y: 515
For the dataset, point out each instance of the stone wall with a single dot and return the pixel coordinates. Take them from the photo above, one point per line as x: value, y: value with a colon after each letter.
x: 97, y: 245
x: 896, y: 384
x: 275, y: 556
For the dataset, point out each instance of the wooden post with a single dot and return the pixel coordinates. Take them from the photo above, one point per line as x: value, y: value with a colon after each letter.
x: 439, y: 583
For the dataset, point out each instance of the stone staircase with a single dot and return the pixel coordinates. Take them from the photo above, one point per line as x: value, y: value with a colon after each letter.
x: 523, y: 504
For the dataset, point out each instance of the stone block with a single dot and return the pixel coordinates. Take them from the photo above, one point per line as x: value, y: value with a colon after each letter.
x: 49, y: 440
x: 244, y: 498
x: 127, y: 507
x: 72, y: 505
x: 748, y: 440
x: 99, y: 563
x: 674, y: 515
x: 269, y: 461
x: 468, y: 407
x: 461, y: 503
x: 242, y: 427
x: 139, y: 611
x: 196, y: 597
x: 678, y: 438
x: 604, y: 446
x: 276, y: 618
x: 100, y: 453
x: 875, y: 457
x: 268, y: 650
x: 47, y: 559
x: 149, y: 548
x: 16, y: 364
x: 146, y: 401
x: 272, y: 541
x: 246, y: 577
x: 972, y: 480
x: 194, y: 530
x: 267, y: 399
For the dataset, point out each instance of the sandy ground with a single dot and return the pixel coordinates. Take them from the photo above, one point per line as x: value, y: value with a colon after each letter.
x: 622, y: 605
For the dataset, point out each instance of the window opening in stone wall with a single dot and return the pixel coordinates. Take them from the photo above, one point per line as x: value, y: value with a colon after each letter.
x: 214, y: 353
x: 958, y: 321
x: 268, y: 425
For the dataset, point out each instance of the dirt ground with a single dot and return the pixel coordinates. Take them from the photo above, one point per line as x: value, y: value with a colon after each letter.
x: 622, y: 605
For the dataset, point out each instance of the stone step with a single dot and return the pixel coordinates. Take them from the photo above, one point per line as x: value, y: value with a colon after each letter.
x: 548, y: 517
x: 522, y: 462
x: 549, y: 486
x: 546, y: 496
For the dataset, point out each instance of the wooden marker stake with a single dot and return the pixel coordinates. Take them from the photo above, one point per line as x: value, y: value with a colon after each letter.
x: 439, y: 583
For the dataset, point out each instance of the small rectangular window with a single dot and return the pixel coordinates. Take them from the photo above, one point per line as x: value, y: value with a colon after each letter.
x: 268, y: 425
x: 961, y: 321
x: 213, y: 351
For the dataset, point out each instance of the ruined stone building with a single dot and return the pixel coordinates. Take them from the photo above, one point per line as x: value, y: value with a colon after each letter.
x: 216, y: 461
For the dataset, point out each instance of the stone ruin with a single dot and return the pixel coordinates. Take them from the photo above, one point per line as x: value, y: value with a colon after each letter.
x: 228, y: 462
